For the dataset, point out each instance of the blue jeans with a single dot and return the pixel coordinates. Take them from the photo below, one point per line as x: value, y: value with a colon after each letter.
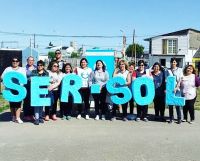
x: 38, y: 112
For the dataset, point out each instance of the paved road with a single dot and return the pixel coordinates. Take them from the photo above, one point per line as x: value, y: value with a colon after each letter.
x: 82, y: 140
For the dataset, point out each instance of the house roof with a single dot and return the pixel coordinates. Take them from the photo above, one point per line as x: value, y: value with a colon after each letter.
x: 176, y: 33
x: 197, y: 54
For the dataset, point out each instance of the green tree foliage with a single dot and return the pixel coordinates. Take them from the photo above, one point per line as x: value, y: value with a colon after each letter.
x: 51, y: 54
x: 139, y: 50
x: 75, y: 55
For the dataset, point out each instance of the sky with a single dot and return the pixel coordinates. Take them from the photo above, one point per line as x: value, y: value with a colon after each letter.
x: 94, y: 18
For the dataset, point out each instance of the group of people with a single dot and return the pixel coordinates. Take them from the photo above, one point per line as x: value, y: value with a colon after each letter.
x: 186, y: 84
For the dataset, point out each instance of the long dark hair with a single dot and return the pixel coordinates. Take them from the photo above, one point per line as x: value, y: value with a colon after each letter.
x: 67, y: 64
x: 82, y: 60
x: 103, y: 67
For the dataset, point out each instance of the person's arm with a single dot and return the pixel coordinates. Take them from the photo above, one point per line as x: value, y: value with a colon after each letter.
x: 115, y: 72
x: 128, y: 79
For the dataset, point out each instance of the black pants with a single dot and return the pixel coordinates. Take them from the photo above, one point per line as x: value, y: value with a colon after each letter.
x: 66, y: 107
x: 55, y: 96
x: 189, y: 106
x: 85, y: 94
x: 131, y: 105
x: 142, y: 111
x: 100, y: 101
x: 171, y: 112
x: 124, y: 109
x: 159, y: 106
x: 27, y: 109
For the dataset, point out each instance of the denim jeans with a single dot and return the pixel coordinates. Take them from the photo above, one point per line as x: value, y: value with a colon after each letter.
x: 38, y: 112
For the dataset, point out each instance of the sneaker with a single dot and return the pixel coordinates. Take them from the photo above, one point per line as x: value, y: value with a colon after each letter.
x: 184, y: 120
x: 171, y: 121
x: 68, y: 118
x: 19, y: 121
x: 145, y: 119
x: 97, y: 117
x: 113, y: 118
x: 63, y: 118
x: 46, y: 118
x: 103, y: 117
x: 79, y: 116
x: 87, y: 117
x: 41, y: 121
x: 125, y: 119
x: 137, y: 119
x: 179, y: 122
x: 36, y: 122
x: 191, y: 122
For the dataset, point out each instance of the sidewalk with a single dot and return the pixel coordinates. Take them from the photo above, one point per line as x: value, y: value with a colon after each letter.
x: 90, y: 140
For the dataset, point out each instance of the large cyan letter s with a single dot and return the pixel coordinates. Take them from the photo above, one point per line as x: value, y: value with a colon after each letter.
x: 118, y: 90
x: 8, y: 82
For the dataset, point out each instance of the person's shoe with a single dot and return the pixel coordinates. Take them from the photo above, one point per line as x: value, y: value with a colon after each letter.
x: 87, y: 117
x: 63, y: 118
x: 171, y: 121
x: 68, y: 118
x: 46, y: 118
x: 19, y: 121
x: 54, y: 118
x: 191, y: 122
x: 125, y: 119
x: 179, y: 122
x: 97, y: 117
x: 163, y: 119
x: 137, y: 119
x: 184, y: 120
x: 79, y: 116
x: 36, y: 122
x: 13, y: 118
x: 41, y: 121
x: 145, y: 119
x: 103, y: 117
x: 113, y: 118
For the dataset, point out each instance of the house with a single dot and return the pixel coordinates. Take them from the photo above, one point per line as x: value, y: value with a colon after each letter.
x: 182, y: 44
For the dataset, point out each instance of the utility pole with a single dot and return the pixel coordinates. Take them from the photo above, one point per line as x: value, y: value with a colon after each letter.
x: 124, y: 44
x: 133, y: 44
x: 33, y: 40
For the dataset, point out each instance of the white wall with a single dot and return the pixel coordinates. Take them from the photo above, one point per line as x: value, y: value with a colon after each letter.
x: 182, y: 44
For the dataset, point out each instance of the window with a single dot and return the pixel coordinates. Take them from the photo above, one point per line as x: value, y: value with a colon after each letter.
x: 170, y: 46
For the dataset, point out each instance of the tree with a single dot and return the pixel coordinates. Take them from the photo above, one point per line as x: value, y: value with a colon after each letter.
x: 51, y: 55
x: 139, y: 50
x: 74, y: 55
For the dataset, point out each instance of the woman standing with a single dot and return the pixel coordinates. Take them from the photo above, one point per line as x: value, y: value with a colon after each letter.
x: 100, y: 76
x: 159, y: 99
x: 133, y: 77
x: 84, y: 72
x: 39, y: 72
x: 15, y: 107
x: 122, y: 71
x: 55, y: 79
x: 178, y: 73
x: 142, y: 110
x: 188, y: 84
x: 66, y: 107
x: 27, y: 109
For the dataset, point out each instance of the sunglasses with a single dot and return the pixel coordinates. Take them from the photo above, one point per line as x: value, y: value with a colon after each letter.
x: 55, y: 65
x: 58, y: 53
x: 40, y: 65
x: 15, y: 60
x: 141, y: 65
